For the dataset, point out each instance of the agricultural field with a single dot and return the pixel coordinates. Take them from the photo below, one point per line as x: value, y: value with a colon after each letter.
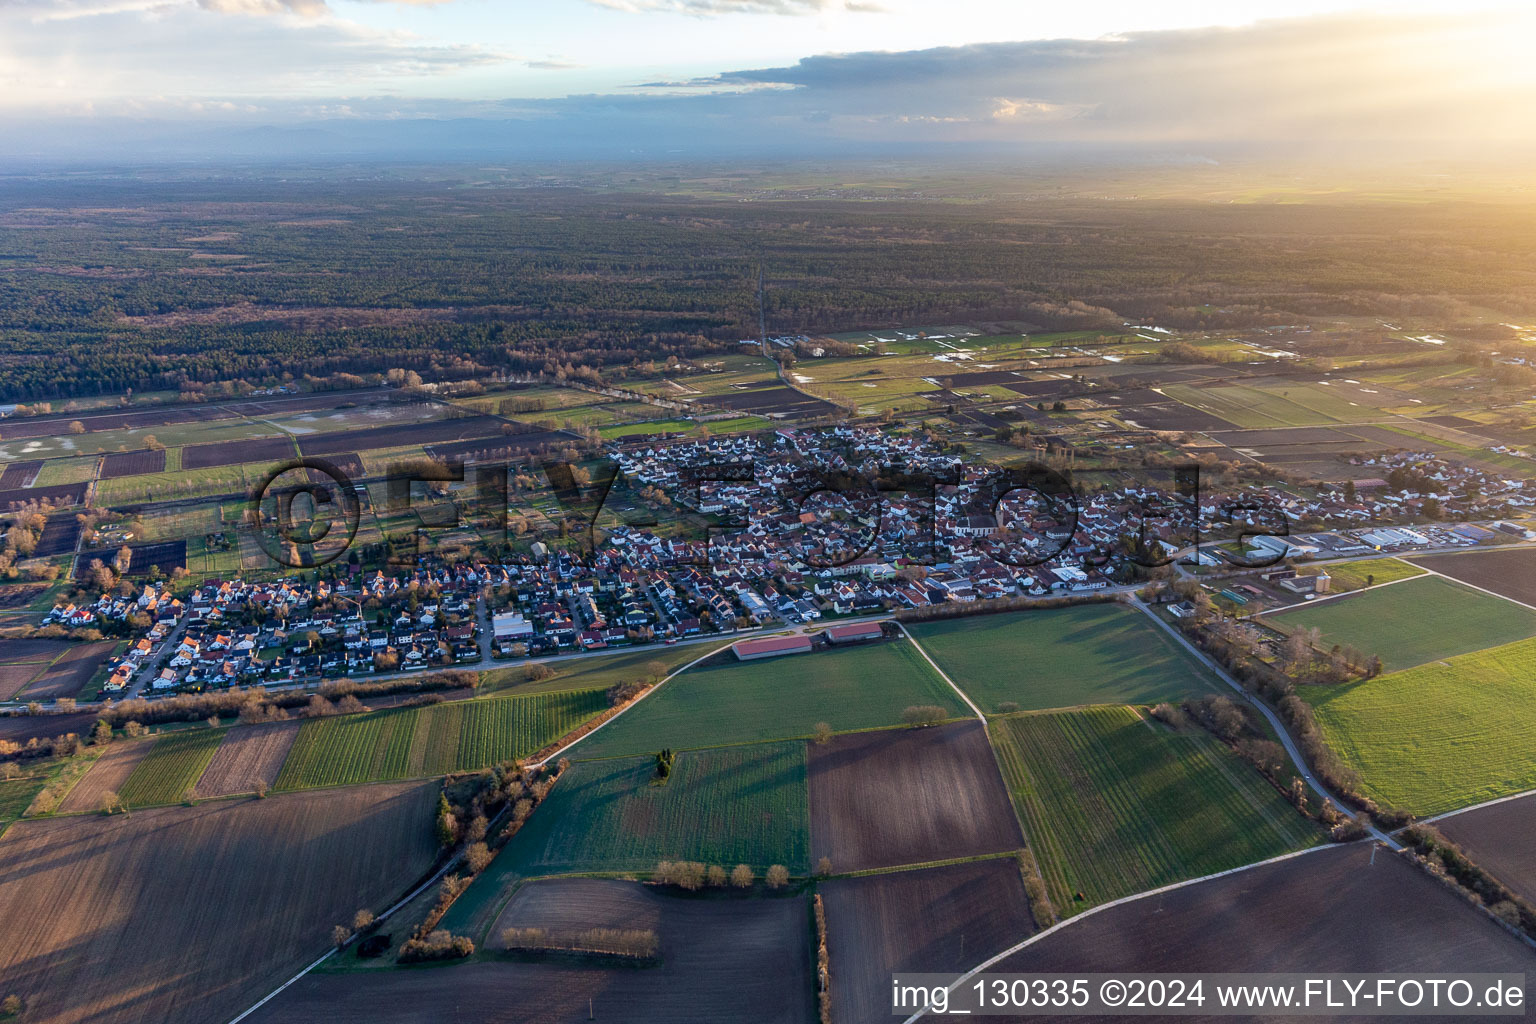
x: 723, y: 958
x: 106, y: 775
x: 231, y: 479
x: 1062, y: 657
x: 1501, y: 838
x: 68, y: 674
x: 1113, y: 803
x: 673, y: 426
x: 1389, y: 621
x: 22, y: 661
x: 249, y: 758
x: 424, y: 433
x: 233, y: 453
x: 1441, y: 735
x: 1510, y: 572
x: 61, y: 535
x: 185, y: 915
x: 607, y: 670
x: 1369, y: 572
x: 15, y: 796
x: 943, y: 919
x: 134, y: 463
x: 735, y: 805
x: 1286, y: 404
x: 19, y: 474
x: 725, y: 701
x: 432, y: 740
x: 908, y: 796
x: 1341, y: 908
x: 729, y: 806
x: 166, y: 555
x: 58, y: 472
x: 171, y: 770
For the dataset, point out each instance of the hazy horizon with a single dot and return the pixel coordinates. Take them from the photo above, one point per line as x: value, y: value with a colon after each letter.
x: 1329, y: 86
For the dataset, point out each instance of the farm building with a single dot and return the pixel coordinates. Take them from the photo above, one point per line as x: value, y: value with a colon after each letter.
x: 1307, y: 584
x: 770, y: 647
x: 853, y: 632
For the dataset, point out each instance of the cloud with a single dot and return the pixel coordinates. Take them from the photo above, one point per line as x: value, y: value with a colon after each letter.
x: 712, y: 8
x: 74, y: 10
x: 1324, y: 83
x: 303, y: 8
x: 123, y: 55
x: 552, y: 65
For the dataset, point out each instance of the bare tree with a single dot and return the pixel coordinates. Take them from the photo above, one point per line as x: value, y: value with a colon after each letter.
x: 777, y: 877
x: 340, y: 935
x: 822, y: 733
x: 362, y: 919
x: 742, y: 876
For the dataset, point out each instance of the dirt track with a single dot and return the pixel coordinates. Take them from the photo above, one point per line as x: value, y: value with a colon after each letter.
x: 906, y: 796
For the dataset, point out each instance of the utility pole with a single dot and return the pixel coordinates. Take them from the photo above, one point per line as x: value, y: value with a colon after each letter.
x: 762, y: 319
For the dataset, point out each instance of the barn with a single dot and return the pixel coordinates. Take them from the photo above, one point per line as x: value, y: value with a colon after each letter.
x: 770, y: 647
x: 853, y: 632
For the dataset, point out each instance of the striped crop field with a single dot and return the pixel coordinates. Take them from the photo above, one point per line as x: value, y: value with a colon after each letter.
x: 171, y: 769
x: 401, y: 743
x: 1115, y: 804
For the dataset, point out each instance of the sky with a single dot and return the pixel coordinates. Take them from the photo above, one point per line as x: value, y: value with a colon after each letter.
x: 662, y: 74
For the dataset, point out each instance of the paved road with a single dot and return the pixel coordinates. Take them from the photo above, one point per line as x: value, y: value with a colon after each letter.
x: 1274, y: 720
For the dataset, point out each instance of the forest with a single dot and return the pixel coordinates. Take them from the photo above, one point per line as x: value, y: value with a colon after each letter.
x: 108, y: 283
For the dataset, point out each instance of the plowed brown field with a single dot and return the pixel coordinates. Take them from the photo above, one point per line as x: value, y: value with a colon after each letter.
x: 724, y: 958
x: 1502, y: 838
x: 907, y: 796
x: 250, y: 755
x: 107, y: 775
x: 936, y: 919
x: 187, y: 915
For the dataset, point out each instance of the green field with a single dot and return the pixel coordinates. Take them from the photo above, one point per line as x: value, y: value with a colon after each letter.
x: 1062, y: 657
x: 15, y: 795
x: 1439, y: 736
x: 778, y: 698
x: 1113, y: 804
x: 172, y: 767
x: 730, y: 805
x: 56, y: 472
x: 626, y: 667
x: 652, y: 427
x: 1391, y: 621
x: 181, y: 484
x: 736, y: 805
x: 404, y: 743
x: 1254, y: 407
x: 1354, y: 575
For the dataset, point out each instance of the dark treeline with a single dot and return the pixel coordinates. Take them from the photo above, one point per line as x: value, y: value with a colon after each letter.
x: 157, y: 286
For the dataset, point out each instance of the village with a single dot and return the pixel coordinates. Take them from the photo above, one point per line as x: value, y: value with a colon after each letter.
x: 787, y: 550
